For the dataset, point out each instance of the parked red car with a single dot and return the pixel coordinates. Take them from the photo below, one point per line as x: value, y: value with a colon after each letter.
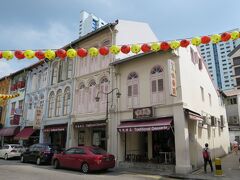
x: 84, y: 158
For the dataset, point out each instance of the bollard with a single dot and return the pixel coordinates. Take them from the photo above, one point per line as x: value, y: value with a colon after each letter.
x: 218, y: 167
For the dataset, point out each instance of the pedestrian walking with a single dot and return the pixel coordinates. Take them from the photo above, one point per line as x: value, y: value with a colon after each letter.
x: 207, y: 158
x: 235, y: 147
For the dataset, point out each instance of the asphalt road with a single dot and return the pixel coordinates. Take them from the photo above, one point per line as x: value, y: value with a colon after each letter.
x: 14, y: 170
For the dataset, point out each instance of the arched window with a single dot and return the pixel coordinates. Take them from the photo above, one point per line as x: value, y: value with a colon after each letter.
x: 133, y: 90
x: 104, y: 83
x: 51, y: 104
x: 67, y: 99
x: 54, y: 73
x: 58, y: 103
x: 81, y: 98
x: 157, y: 95
x: 91, y: 96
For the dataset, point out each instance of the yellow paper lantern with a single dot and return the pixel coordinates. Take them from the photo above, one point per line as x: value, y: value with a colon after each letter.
x: 215, y: 38
x: 50, y: 54
x: 136, y: 48
x: 234, y: 35
x: 71, y: 53
x: 155, y: 47
x: 29, y: 54
x: 196, y: 41
x: 115, y: 49
x: 175, y: 44
x: 93, y: 52
x: 7, y: 55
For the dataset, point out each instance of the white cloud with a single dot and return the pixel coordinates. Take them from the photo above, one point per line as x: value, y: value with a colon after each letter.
x: 14, y: 37
x: 55, y: 35
x: 5, y: 68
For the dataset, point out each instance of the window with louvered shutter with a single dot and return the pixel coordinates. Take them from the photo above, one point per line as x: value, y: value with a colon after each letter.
x: 154, y: 86
x: 129, y: 91
x: 160, y: 85
x: 135, y: 90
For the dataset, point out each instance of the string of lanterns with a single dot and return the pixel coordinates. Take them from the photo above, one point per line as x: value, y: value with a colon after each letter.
x: 116, y: 49
x: 8, y: 96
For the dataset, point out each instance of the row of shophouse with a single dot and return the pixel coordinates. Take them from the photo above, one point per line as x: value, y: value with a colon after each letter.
x: 159, y: 108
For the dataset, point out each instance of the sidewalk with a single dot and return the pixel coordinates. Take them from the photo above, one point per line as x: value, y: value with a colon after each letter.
x: 230, y: 167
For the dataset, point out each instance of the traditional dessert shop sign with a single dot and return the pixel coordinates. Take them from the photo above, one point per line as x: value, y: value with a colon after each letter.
x: 144, y: 112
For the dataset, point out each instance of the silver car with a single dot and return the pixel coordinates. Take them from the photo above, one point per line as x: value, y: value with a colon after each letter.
x: 10, y: 151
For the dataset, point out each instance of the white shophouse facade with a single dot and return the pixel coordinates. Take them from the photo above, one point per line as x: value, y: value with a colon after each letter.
x: 56, y: 119
x: 35, y: 102
x: 144, y: 81
x: 92, y: 76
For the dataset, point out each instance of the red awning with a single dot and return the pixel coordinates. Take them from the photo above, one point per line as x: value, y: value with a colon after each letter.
x: 142, y: 126
x: 9, y: 131
x: 25, y: 133
x: 55, y: 128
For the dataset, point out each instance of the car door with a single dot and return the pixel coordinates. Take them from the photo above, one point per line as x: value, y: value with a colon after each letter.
x: 28, y: 152
x: 4, y: 150
x: 66, y: 160
x: 78, y: 158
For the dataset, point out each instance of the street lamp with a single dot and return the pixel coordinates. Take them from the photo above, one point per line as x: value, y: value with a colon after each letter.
x: 118, y: 94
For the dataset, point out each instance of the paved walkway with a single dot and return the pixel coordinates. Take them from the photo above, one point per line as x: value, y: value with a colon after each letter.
x: 230, y: 167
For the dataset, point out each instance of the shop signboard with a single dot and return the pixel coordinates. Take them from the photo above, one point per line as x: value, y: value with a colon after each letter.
x: 144, y: 112
x: 38, y: 118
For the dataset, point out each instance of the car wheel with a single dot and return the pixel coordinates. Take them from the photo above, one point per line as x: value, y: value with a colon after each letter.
x: 56, y: 164
x: 38, y: 161
x: 6, y: 156
x: 85, y: 168
x: 22, y: 159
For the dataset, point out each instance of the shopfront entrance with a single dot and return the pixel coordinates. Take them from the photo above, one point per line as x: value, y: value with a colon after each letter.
x: 56, y: 135
x: 28, y: 135
x: 91, y: 134
x: 149, y: 141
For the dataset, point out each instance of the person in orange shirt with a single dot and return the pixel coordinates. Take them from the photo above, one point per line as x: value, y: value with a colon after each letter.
x: 235, y: 147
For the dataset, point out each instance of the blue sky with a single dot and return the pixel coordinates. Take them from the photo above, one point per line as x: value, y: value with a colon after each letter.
x: 29, y: 24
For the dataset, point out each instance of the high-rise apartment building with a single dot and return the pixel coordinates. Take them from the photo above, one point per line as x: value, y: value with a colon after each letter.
x: 218, y: 63
x: 88, y: 23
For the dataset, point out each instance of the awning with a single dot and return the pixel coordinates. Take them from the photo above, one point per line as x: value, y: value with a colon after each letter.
x: 148, y: 125
x: 9, y: 131
x: 193, y: 115
x: 55, y: 128
x: 25, y: 133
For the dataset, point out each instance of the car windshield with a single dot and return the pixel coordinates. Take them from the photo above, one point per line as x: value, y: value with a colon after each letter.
x: 98, y: 151
x: 16, y: 146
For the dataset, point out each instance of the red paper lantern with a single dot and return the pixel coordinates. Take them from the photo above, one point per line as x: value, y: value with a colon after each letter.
x: 19, y: 54
x: 164, y: 46
x: 145, y: 48
x: 184, y: 43
x: 205, y: 39
x: 61, y: 53
x: 104, y: 51
x: 125, y: 49
x: 0, y: 54
x: 39, y: 55
x: 225, y: 36
x: 82, y: 52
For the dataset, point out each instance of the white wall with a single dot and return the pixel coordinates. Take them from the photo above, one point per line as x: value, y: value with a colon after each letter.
x: 132, y: 32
